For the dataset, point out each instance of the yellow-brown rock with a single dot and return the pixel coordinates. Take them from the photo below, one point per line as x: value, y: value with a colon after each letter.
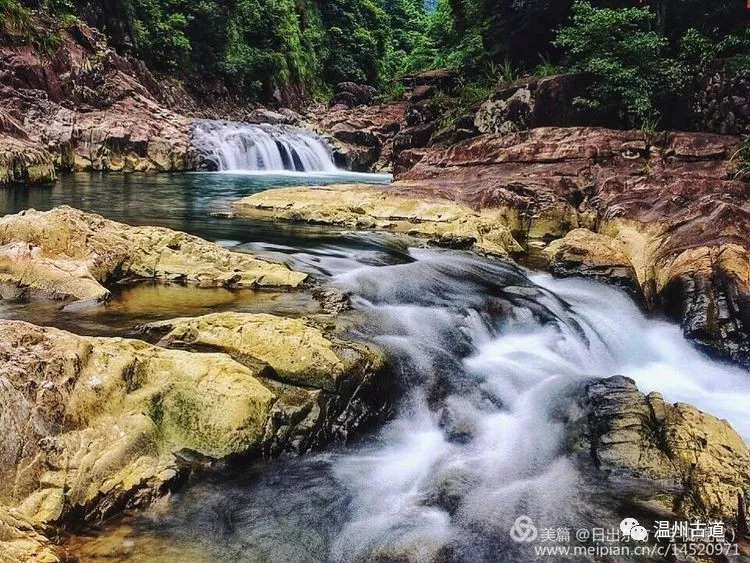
x: 327, y: 386
x: 68, y: 254
x: 91, y: 423
x: 298, y: 352
x: 22, y: 161
x: 363, y: 206
x: 22, y: 542
x: 700, y: 465
x: 583, y: 253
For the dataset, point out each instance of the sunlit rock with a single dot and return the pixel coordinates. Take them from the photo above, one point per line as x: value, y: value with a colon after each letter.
x: 72, y: 255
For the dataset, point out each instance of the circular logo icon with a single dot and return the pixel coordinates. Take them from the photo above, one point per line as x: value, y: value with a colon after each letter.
x: 639, y: 533
x: 523, y: 530
x: 627, y: 525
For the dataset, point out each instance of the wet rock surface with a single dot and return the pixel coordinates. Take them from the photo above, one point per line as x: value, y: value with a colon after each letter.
x: 95, y: 425
x: 70, y: 255
x: 583, y: 253
x: 663, y: 217
x: 445, y: 223
x: 696, y: 466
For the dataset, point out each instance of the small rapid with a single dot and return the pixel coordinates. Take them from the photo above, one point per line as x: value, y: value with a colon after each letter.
x: 484, y: 352
x: 233, y: 146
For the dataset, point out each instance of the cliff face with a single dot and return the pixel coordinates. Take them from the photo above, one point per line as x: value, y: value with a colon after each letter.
x: 84, y: 107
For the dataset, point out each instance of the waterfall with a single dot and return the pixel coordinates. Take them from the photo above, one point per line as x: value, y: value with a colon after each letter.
x: 228, y: 145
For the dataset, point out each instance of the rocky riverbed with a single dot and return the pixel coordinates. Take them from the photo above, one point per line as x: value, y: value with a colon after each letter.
x: 664, y: 219
x: 94, y: 426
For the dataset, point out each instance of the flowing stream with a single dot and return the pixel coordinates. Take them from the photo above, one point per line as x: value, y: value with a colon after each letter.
x: 483, y: 351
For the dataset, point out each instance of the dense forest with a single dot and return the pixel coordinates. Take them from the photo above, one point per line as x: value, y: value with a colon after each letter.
x: 641, y: 54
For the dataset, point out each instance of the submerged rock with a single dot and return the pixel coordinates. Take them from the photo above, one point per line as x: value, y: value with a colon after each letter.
x: 686, y: 462
x: 68, y: 254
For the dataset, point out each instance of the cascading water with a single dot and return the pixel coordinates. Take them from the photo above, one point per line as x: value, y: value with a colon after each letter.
x: 232, y: 146
x: 484, y: 352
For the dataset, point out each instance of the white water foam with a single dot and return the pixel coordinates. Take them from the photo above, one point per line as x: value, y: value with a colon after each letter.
x: 422, y: 488
x: 233, y: 146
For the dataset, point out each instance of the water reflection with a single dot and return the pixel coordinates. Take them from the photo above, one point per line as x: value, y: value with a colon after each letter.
x: 183, y: 202
x: 136, y: 304
x: 192, y: 203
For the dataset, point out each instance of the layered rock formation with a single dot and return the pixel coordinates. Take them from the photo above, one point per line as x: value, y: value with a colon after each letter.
x: 446, y: 223
x: 85, y: 107
x: 664, y: 216
x: 22, y: 160
x: 93, y: 425
x: 22, y: 540
x: 70, y: 255
x: 682, y: 461
x: 363, y: 136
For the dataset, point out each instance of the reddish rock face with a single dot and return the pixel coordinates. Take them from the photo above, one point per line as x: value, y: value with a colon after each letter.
x: 363, y: 135
x: 88, y: 108
x: 672, y: 201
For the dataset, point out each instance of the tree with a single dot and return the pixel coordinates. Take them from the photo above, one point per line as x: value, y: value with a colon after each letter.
x: 626, y: 59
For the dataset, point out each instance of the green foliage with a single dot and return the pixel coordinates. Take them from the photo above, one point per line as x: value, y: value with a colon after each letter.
x: 358, y: 39
x: 741, y: 159
x: 503, y: 73
x: 638, y: 57
x: 259, y: 45
x: 15, y: 20
x: 393, y: 91
x: 546, y: 67
x: 160, y: 36
x: 628, y: 61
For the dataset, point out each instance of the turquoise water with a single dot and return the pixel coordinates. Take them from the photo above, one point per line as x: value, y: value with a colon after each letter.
x: 186, y: 202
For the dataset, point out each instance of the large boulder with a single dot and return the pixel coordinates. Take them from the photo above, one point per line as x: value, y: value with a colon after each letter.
x: 93, y: 425
x: 722, y: 102
x: 350, y: 95
x: 328, y: 386
x: 583, y: 253
x: 133, y: 135
x: 537, y: 102
x: 71, y: 255
x: 684, y: 462
x: 363, y: 136
x: 317, y: 360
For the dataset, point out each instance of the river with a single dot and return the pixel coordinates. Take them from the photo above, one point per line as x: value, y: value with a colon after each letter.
x: 482, y: 349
